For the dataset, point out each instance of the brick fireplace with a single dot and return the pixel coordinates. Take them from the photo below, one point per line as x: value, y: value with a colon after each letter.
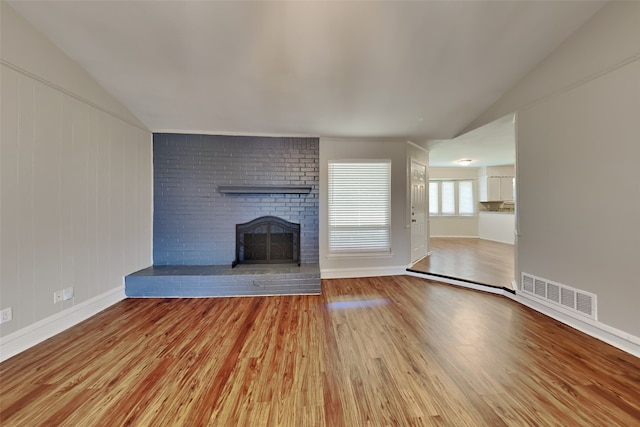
x: 206, y: 184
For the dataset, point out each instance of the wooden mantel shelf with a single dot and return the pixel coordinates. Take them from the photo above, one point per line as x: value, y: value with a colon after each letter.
x: 264, y: 189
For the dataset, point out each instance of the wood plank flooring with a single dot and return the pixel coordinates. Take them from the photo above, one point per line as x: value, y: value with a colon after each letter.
x: 386, y: 351
x: 475, y: 260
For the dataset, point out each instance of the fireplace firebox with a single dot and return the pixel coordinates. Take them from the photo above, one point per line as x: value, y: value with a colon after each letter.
x: 267, y: 240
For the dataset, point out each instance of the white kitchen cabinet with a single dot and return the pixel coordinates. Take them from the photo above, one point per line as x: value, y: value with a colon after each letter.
x: 499, y: 188
x: 506, y: 188
x: 495, y: 183
x: 493, y: 188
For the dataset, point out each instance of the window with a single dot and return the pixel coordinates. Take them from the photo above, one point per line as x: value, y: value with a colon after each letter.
x: 359, y: 206
x: 448, y: 199
x: 465, y: 198
x: 451, y: 198
x: 434, y: 198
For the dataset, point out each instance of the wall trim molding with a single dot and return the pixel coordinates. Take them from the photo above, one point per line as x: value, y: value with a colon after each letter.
x: 350, y: 273
x: 60, y: 89
x: 587, y: 79
x: 414, y: 145
x: 41, y: 330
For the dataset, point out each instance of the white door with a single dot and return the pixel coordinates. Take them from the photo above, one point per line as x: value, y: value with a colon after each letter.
x: 419, y: 232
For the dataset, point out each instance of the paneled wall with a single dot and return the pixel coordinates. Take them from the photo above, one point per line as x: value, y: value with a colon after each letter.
x: 194, y: 223
x: 76, y: 199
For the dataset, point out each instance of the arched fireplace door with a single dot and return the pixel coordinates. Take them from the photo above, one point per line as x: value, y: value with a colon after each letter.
x: 267, y: 240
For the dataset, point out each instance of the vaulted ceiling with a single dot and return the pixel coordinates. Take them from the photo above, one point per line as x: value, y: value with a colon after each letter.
x: 420, y: 70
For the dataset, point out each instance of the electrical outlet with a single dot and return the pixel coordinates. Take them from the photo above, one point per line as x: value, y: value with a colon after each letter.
x: 67, y: 293
x: 58, y: 297
x: 6, y: 315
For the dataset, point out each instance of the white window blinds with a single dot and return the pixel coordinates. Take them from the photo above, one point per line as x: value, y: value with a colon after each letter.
x: 359, y: 206
x: 451, y: 198
x: 434, y: 198
x: 465, y: 198
x: 448, y: 198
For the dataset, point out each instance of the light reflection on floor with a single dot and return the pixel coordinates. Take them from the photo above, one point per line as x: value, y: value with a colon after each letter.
x: 357, y: 303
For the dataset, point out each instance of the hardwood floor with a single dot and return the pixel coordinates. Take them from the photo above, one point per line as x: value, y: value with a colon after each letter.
x: 475, y: 260
x: 387, y: 351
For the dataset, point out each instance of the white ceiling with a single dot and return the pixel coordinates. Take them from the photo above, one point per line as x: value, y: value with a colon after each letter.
x: 489, y: 145
x: 419, y: 70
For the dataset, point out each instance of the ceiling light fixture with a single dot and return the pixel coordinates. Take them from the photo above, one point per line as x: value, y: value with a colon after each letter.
x: 464, y: 162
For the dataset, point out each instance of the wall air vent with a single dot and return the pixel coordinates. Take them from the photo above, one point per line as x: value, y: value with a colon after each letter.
x: 527, y: 283
x: 558, y: 295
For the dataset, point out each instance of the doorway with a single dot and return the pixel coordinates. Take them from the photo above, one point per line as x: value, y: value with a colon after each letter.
x: 472, y: 247
x: 473, y: 260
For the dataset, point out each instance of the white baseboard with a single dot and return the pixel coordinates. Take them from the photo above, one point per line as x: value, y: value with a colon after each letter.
x: 509, y: 242
x: 461, y: 236
x: 347, y: 273
x: 615, y: 337
x: 35, y: 333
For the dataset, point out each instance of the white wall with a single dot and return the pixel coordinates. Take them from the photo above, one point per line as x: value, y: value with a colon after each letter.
x: 76, y: 189
x: 454, y: 226
x: 578, y: 116
x: 360, y: 266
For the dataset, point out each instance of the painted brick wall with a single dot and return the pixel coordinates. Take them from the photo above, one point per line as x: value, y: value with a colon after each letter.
x: 194, y: 224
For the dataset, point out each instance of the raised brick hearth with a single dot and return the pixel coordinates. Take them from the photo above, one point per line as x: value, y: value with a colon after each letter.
x: 222, y: 280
